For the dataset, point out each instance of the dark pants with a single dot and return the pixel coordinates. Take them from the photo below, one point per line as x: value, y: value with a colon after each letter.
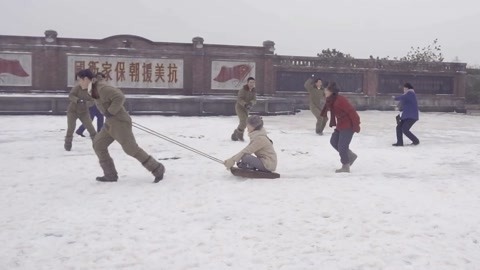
x: 403, y: 127
x: 340, y: 140
x: 94, y: 112
x: 251, y: 162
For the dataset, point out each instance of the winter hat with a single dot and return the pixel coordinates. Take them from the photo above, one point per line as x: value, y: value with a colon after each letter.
x: 255, y: 121
x: 332, y: 87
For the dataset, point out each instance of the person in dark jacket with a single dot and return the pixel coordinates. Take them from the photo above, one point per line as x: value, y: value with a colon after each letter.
x: 93, y: 110
x: 346, y: 121
x: 408, y: 115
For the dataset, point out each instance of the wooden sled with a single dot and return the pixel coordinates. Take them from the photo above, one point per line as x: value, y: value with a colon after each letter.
x: 253, y: 174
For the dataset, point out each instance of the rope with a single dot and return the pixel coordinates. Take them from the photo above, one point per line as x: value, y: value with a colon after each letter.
x: 161, y: 136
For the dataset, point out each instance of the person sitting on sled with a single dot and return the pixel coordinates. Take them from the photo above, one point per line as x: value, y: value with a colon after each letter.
x: 265, y: 158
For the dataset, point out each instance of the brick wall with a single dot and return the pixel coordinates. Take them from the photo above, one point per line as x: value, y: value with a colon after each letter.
x: 360, y: 76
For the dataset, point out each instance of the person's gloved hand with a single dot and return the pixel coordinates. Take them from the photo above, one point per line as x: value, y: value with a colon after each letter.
x: 356, y: 129
x: 229, y: 163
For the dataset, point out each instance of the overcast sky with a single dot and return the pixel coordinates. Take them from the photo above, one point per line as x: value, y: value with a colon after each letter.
x: 298, y: 27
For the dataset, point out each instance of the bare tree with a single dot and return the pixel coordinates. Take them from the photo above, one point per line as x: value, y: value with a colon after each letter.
x: 431, y: 53
x: 333, y: 54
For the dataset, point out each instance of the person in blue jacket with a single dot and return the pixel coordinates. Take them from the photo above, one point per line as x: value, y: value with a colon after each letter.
x: 408, y: 115
x: 94, y: 112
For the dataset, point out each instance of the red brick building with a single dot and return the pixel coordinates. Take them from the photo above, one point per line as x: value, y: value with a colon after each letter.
x: 200, y: 75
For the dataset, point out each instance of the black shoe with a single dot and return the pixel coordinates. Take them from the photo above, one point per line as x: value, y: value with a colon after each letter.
x: 158, y: 179
x: 105, y: 179
x: 159, y: 176
x: 397, y: 144
x: 68, y: 146
x: 352, y: 158
x: 415, y: 143
x: 158, y: 173
x: 79, y: 134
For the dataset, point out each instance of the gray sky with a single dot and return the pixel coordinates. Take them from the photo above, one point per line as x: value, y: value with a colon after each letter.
x: 299, y: 27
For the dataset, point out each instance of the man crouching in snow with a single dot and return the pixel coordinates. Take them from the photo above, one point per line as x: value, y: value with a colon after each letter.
x: 265, y: 158
x: 118, y: 127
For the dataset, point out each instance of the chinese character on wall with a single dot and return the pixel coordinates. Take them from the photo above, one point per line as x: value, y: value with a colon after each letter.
x: 131, y: 72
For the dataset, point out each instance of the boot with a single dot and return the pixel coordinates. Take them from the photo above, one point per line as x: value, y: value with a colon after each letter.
x: 109, y: 171
x: 345, y: 169
x: 234, y: 136
x: 155, y: 167
x: 68, y: 143
x: 239, y: 134
x: 352, y: 157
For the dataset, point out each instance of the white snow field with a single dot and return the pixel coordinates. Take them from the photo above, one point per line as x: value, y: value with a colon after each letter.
x: 416, y: 207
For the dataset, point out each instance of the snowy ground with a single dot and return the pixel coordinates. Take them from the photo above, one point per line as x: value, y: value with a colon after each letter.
x: 400, y: 208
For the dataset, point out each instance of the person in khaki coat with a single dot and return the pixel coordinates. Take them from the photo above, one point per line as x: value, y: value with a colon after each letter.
x: 246, y: 98
x: 265, y: 158
x: 78, y: 109
x: 94, y: 112
x: 317, y: 101
x: 117, y: 127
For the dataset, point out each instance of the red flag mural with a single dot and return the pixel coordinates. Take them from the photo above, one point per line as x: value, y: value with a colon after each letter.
x: 12, y: 67
x: 238, y: 72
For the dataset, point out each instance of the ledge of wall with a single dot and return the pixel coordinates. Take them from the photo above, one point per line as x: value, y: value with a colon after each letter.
x: 56, y: 104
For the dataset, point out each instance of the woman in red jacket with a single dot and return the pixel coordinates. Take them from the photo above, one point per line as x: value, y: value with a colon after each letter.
x: 344, y: 117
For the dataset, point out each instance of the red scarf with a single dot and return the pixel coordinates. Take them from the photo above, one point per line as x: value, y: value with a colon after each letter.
x: 329, y: 107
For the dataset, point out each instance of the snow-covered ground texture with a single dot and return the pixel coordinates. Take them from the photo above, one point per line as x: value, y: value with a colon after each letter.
x: 416, y: 207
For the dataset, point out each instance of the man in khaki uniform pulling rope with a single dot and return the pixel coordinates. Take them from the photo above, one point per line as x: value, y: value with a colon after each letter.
x: 118, y: 127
